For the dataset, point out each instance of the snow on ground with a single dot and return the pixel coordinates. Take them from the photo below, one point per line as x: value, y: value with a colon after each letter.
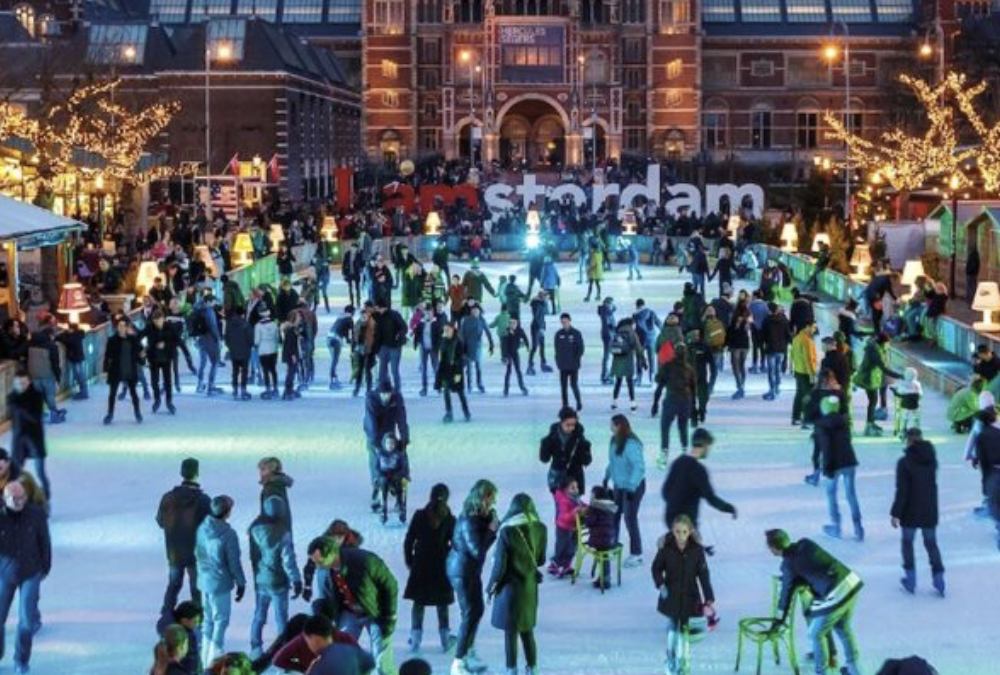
x: 101, y: 600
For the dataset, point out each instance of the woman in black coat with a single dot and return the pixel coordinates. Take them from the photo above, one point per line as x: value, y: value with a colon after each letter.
x: 915, y: 507
x: 475, y: 532
x: 425, y: 551
x: 680, y: 572
x: 521, y: 544
x: 122, y: 362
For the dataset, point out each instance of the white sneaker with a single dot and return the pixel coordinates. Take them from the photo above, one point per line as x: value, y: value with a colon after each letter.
x: 661, y: 459
x: 614, y: 404
x: 473, y: 664
x: 459, y: 667
x: 633, y: 561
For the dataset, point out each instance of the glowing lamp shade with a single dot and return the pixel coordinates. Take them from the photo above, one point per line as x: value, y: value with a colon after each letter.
x: 148, y: 271
x: 913, y: 270
x: 861, y: 261
x: 202, y: 253
x: 533, y: 221
x: 329, y: 229
x: 73, y: 301
x: 432, y: 226
x: 734, y: 226
x: 789, y: 237
x: 276, y: 236
x: 628, y: 221
x: 242, y: 250
x: 987, y: 301
x: 820, y: 238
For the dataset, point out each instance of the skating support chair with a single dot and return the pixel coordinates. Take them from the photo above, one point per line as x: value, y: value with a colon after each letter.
x: 758, y: 631
x: 583, y: 549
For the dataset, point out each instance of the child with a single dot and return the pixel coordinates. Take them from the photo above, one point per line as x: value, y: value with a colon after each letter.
x: 599, y: 519
x: 568, y: 504
x: 908, y: 394
x: 393, y: 475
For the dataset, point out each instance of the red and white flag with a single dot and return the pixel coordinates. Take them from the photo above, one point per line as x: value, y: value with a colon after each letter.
x: 234, y: 165
x: 274, y: 170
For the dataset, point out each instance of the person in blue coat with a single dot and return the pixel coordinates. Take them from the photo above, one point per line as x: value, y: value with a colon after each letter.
x: 550, y: 282
x: 626, y: 473
x: 205, y: 325
x: 272, y: 558
x: 471, y: 331
x: 217, y: 554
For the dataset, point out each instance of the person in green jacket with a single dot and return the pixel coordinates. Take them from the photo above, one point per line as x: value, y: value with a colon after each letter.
x: 520, y: 550
x: 871, y: 377
x: 964, y: 405
x: 474, y: 281
x: 411, y: 287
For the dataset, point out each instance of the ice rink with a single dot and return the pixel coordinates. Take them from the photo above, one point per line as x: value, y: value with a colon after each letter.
x: 100, y: 603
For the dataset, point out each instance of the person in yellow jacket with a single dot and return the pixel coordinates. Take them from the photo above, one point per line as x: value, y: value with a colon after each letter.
x: 804, y: 362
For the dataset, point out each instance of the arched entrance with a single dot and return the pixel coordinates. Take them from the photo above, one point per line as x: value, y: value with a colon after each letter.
x: 532, y: 131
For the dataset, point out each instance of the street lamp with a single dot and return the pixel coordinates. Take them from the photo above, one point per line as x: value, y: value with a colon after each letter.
x: 223, y: 52
x: 466, y: 57
x: 830, y: 53
x: 927, y: 50
x: 954, y: 183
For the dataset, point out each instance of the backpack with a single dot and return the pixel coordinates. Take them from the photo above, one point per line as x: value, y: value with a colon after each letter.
x: 199, y: 324
x: 619, y: 344
x: 666, y: 353
x: 715, y: 334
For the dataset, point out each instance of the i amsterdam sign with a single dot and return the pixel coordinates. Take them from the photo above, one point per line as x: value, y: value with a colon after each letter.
x: 501, y: 197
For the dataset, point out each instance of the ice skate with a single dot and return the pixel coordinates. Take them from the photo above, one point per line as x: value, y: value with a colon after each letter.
x: 909, y: 581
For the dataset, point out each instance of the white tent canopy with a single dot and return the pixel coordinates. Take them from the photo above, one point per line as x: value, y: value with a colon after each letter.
x: 19, y: 220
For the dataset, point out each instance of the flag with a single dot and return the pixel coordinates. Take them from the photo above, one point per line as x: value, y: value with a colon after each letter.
x: 234, y: 165
x: 224, y: 198
x: 274, y: 170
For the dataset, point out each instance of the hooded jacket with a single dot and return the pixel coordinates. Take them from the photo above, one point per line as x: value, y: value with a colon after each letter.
x: 25, y: 546
x: 566, y: 456
x: 833, y: 438
x: 804, y: 353
x: 685, y: 576
x: 916, y: 501
x: 626, y: 469
x: 806, y: 564
x: 371, y: 585
x: 272, y: 555
x: 181, y: 511
x: 217, y: 552
x: 277, y: 485
x: 600, y: 523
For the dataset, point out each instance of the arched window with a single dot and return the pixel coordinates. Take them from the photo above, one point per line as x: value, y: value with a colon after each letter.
x: 761, y: 125
x: 715, y: 124
x: 807, y: 124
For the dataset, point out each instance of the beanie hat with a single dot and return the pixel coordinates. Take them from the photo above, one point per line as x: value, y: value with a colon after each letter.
x: 221, y: 506
x: 778, y: 539
x: 829, y: 405
x: 189, y: 468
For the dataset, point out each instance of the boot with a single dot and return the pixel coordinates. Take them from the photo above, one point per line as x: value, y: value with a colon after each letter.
x: 108, y: 419
x: 832, y: 531
x: 872, y: 429
x: 938, y: 581
x: 473, y: 663
x: 448, y: 641
x: 859, y: 530
x: 909, y: 581
x: 661, y: 459
x: 448, y: 418
x: 415, y: 637
x: 171, y: 409
x: 244, y: 395
x: 156, y: 406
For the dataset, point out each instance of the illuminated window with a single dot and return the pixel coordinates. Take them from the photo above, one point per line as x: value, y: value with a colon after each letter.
x: 169, y: 11
x: 265, y: 9
x: 390, y: 69
x: 26, y: 17
x: 204, y: 9
x: 851, y: 11
x: 718, y: 11
x: 806, y: 11
x: 675, y: 69
x: 226, y: 38
x: 343, y: 11
x: 302, y: 11
x: 894, y: 11
x: 388, y: 17
x: 390, y: 99
x: 674, y: 98
x: 761, y: 11
x: 675, y: 12
x: 117, y: 43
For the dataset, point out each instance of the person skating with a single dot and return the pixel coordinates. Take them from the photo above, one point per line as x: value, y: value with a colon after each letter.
x: 470, y: 332
x: 834, y: 589
x: 427, y: 326
x: 25, y: 561
x: 595, y: 270
x: 44, y: 366
x: 217, y: 554
x: 205, y: 327
x: 449, y: 378
x: 512, y: 297
x: 550, y: 283
x: 274, y: 482
x: 239, y: 342
x: 161, y: 352
x: 341, y: 333
x: 687, y: 482
x: 122, y: 358
x: 569, y: 347
x: 25, y: 404
x: 182, y: 510
x: 359, y: 595
x: 511, y: 342
x: 839, y: 463
x: 475, y: 282
x: 915, y: 507
x: 775, y: 335
x: 272, y: 560
x: 566, y: 450
x: 606, y: 314
x: 626, y: 353
x: 701, y: 359
x: 680, y: 383
x: 680, y: 574
x: 804, y: 365
x: 393, y: 476
x: 72, y: 339
x: 520, y: 551
x: 390, y: 337
x: 363, y: 349
x: 539, y: 309
x: 350, y: 270
x: 267, y: 340
x: 425, y: 551
x: 475, y: 532
x: 647, y: 329
x: 569, y: 506
x: 827, y: 385
x: 385, y: 413
x: 871, y: 375
x: 290, y: 355
x: 626, y: 473
x: 738, y: 342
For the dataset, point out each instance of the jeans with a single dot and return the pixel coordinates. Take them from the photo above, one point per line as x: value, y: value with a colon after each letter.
x: 537, y: 344
x: 679, y: 410
x: 738, y: 358
x: 264, y: 601
x: 381, y: 644
x: 113, y: 385
x: 847, y: 475
x: 460, y: 392
x: 633, y: 267
x: 929, y: 535
x: 650, y: 348
x: 47, y: 386
x: 839, y: 622
x: 291, y: 370
x: 388, y: 359
x: 334, y: 344
x: 698, y: 280
x: 628, y: 507
x: 269, y: 366
x: 217, y: 608
x: 567, y: 379
x: 803, y: 385
x: 417, y: 617
x: 208, y: 354
x: 175, y: 581
x: 474, y: 358
x: 160, y: 372
x: 469, y: 593
x: 513, y: 364
x: 773, y: 362
x: 27, y: 614
x: 427, y: 357
x: 677, y: 661
x: 605, y: 357
x: 241, y: 369
x: 565, y: 547
x: 79, y: 375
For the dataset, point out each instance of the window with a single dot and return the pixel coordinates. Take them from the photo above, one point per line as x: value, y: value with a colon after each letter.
x: 718, y: 11
x: 635, y: 11
x: 853, y: 121
x: 761, y: 11
x: 675, y: 12
x: 388, y: 17
x: 225, y: 39
x: 851, y: 11
x: 265, y: 9
x: 857, y: 68
x: 429, y: 79
x: 675, y: 69
x: 342, y: 11
x: 633, y: 50
x: 390, y: 99
x: 760, y: 129
x: 674, y: 98
x: 430, y: 108
x: 118, y: 44
x: 761, y: 67
x: 592, y: 11
x: 169, y: 11
x: 302, y: 11
x: 596, y: 68
x: 633, y: 110
x: 635, y: 78
x: 719, y: 71
x: 806, y: 129
x: 894, y: 11
x: 807, y: 71
x: 714, y: 128
x: 633, y: 139
x: 429, y: 51
x: 806, y: 11
x: 206, y: 9
x: 428, y: 11
x: 429, y: 140
x: 390, y: 69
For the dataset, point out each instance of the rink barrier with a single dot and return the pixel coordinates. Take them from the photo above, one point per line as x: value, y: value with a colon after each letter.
x: 957, y: 339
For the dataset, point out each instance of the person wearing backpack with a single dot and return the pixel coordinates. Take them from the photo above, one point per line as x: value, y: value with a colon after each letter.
x: 205, y: 327
x: 738, y: 343
x: 626, y: 353
x: 647, y: 329
x: 715, y: 339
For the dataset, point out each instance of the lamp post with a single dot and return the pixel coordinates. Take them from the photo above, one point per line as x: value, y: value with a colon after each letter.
x: 223, y: 52
x: 927, y: 50
x: 830, y: 53
x: 954, y: 183
x: 466, y: 57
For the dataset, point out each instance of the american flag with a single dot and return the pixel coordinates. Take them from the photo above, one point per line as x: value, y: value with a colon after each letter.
x: 224, y: 198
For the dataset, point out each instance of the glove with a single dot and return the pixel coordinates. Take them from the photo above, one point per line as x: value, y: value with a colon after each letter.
x: 307, y: 594
x: 240, y: 590
x: 664, y: 592
x: 296, y: 590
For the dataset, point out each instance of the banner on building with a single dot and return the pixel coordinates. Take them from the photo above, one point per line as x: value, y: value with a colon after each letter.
x: 531, y: 54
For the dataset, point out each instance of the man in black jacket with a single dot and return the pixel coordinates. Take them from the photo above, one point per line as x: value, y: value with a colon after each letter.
x: 776, y: 334
x: 801, y: 313
x: 350, y: 269
x: 161, y: 351
x: 687, y: 482
x: 385, y: 413
x: 915, y: 507
x: 122, y: 359
x: 834, y: 589
x: 181, y: 512
x: 390, y: 336
x: 568, y: 346
x: 566, y: 450
x: 26, y: 405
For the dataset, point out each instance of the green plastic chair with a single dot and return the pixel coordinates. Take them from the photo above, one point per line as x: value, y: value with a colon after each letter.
x: 758, y: 631
x: 600, y: 557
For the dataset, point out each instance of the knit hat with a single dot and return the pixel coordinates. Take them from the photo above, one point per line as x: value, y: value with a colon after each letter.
x: 189, y: 468
x: 221, y: 506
